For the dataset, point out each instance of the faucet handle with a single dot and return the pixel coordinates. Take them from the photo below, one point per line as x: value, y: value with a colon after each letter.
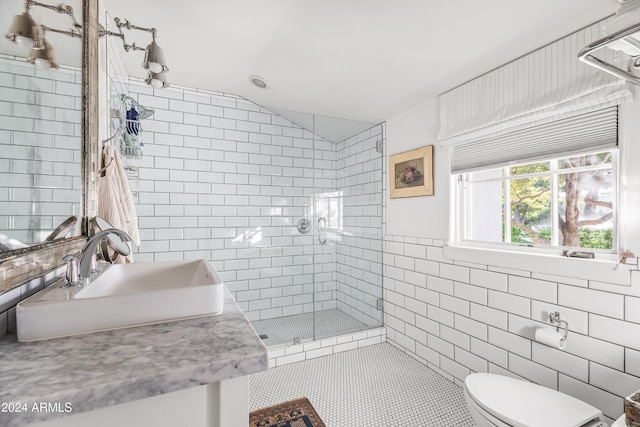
x: 72, y: 270
x: 94, y: 264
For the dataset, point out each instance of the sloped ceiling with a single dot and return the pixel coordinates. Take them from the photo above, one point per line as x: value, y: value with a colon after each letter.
x: 356, y: 60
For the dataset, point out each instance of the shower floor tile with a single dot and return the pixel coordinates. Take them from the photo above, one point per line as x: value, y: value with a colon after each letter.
x: 377, y: 385
x: 282, y: 330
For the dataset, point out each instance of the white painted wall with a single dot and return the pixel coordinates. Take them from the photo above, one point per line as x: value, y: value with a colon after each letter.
x: 419, y: 216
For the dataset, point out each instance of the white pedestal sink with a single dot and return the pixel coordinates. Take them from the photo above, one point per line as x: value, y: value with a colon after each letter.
x: 123, y: 295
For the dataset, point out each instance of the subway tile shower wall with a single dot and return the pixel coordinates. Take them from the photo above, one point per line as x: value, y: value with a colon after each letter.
x: 226, y: 180
x: 461, y: 318
x: 40, y: 134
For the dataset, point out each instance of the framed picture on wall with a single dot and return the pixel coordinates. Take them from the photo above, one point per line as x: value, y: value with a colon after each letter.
x: 411, y: 173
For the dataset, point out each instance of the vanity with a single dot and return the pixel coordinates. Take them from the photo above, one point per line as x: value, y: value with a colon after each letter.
x: 183, y: 373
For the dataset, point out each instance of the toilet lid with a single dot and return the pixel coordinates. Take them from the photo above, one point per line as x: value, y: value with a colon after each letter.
x: 523, y: 404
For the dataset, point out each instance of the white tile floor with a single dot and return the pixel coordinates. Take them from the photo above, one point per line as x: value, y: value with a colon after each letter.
x: 377, y: 385
x: 328, y: 323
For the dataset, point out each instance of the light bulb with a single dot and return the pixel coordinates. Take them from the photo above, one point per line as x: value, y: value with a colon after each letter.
x: 155, y: 67
x: 157, y: 80
x: 42, y: 63
x: 157, y: 83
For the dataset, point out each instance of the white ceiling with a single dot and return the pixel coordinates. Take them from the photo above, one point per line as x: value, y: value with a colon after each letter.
x: 357, y: 60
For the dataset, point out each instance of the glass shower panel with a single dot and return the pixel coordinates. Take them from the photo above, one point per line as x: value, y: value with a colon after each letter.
x: 348, y: 244
x: 328, y: 221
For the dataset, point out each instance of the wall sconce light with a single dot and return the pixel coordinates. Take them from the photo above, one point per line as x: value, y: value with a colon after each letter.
x: 154, y: 60
x: 157, y: 80
x: 23, y: 30
x: 26, y: 33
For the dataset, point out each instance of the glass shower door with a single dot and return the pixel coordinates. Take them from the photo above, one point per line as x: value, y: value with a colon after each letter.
x: 322, y: 239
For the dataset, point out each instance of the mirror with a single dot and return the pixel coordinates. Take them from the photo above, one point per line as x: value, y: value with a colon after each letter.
x: 40, y: 133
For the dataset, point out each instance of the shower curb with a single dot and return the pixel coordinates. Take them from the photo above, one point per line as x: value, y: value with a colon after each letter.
x: 312, y: 349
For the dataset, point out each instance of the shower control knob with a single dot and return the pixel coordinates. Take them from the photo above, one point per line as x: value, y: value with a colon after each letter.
x: 304, y: 226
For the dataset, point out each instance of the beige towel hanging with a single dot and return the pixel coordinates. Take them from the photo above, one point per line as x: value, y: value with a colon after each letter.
x: 115, y: 201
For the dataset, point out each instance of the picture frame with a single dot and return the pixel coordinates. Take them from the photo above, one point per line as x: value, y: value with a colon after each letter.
x: 411, y: 173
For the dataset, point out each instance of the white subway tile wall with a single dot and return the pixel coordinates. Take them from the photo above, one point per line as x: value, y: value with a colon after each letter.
x: 483, y: 319
x: 224, y: 179
x: 40, y: 119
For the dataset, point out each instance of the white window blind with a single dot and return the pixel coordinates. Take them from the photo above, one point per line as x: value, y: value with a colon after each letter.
x: 594, y: 131
x: 542, y: 87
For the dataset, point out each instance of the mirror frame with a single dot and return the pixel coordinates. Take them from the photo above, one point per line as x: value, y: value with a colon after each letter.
x: 20, y: 265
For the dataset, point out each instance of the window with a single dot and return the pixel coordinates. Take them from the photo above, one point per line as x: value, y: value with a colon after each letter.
x: 564, y: 202
x: 329, y: 206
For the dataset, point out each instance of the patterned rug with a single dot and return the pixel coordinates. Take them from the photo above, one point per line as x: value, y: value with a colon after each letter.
x: 294, y: 413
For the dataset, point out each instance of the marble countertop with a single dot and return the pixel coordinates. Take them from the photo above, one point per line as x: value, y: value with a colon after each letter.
x: 102, y: 369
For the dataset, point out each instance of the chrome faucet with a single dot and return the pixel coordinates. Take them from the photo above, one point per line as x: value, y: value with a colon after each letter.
x: 72, y: 271
x: 86, y: 254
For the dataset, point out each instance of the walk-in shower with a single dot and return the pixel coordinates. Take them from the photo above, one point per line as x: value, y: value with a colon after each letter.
x: 287, y: 207
x: 333, y: 284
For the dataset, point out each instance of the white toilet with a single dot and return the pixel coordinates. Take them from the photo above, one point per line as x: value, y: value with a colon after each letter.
x: 497, y: 400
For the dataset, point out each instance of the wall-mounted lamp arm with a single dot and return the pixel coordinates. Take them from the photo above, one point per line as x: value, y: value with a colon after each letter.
x: 60, y: 8
x: 132, y: 46
x: 127, y: 47
x: 70, y: 33
x: 154, y: 60
x: 111, y: 33
x: 129, y: 26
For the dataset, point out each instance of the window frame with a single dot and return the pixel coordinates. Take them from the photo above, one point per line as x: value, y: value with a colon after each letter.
x: 461, y: 203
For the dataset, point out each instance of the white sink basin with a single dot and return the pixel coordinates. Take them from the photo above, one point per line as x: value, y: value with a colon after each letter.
x: 122, y: 296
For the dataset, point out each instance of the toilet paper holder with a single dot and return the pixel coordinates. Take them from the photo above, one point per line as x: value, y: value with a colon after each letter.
x: 555, y: 319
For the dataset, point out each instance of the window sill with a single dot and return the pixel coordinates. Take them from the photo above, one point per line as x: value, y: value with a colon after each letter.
x: 588, y: 269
